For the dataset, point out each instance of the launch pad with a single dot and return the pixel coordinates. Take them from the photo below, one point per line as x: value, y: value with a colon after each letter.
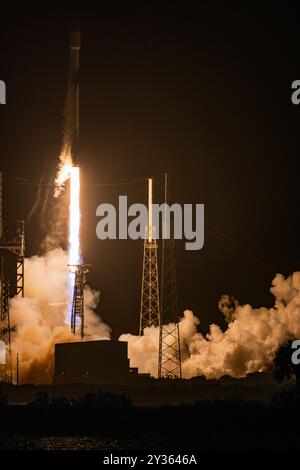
x: 98, y: 361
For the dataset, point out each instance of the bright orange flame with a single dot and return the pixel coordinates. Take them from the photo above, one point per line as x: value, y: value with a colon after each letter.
x: 74, y: 231
x: 74, y: 222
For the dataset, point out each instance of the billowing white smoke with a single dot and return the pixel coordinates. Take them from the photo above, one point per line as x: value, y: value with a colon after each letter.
x: 248, y: 345
x: 40, y: 317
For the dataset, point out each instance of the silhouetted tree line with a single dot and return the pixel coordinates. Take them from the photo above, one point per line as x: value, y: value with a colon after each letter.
x: 60, y: 415
x: 218, y: 424
x: 96, y: 401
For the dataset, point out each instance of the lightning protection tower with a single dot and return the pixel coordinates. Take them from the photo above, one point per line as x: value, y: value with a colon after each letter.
x: 15, y: 245
x: 169, y: 361
x: 150, y: 308
x: 77, y: 314
x: 5, y: 330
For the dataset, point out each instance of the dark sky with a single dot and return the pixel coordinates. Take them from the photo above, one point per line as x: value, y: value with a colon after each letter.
x: 203, y: 94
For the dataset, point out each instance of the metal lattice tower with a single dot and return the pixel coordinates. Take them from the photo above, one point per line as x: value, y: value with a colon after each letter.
x: 20, y: 253
x: 77, y: 315
x: 169, y: 362
x: 1, y: 205
x: 16, y: 245
x: 5, y: 330
x: 150, y: 308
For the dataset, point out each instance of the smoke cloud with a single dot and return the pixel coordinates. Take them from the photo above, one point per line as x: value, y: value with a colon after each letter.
x: 64, y: 170
x: 252, y: 336
x: 40, y: 317
x: 248, y: 345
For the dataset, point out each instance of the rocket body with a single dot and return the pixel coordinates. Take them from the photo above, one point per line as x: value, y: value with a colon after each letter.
x: 73, y: 91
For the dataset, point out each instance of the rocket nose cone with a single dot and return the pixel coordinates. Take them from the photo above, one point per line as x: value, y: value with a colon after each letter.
x: 75, y: 39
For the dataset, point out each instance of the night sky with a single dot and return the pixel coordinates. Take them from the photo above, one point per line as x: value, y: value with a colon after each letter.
x: 204, y: 94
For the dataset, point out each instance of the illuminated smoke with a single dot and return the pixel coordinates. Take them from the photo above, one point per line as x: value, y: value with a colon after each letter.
x: 64, y: 172
x: 248, y: 344
x: 41, y: 317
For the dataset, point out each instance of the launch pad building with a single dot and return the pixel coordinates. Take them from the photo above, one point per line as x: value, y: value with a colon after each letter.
x: 93, y: 362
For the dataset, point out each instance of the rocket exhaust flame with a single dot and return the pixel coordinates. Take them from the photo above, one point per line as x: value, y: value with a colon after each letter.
x: 74, y: 229
x: 74, y: 232
x: 68, y: 168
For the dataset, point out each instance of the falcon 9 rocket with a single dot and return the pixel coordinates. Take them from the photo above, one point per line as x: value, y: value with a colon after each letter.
x: 73, y: 90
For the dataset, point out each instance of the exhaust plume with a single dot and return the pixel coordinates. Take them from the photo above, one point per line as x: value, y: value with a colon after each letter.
x: 248, y: 345
x: 40, y: 318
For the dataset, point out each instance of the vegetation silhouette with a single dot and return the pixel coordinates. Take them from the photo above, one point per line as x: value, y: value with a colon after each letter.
x: 109, y: 417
